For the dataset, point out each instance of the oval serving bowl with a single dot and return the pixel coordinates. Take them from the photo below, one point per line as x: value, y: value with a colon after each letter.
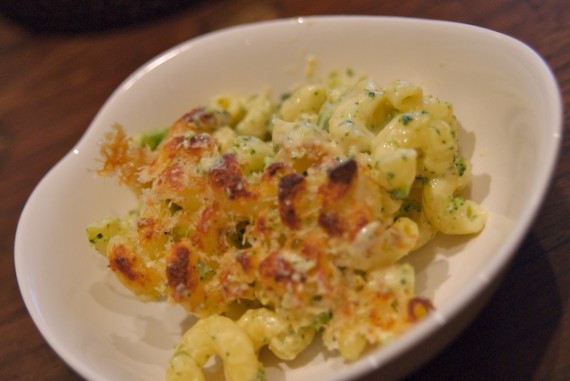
x: 508, y: 105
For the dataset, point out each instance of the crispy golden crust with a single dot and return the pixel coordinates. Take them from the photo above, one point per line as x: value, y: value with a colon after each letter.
x: 207, y: 235
x: 132, y: 271
x: 122, y: 159
x: 227, y: 180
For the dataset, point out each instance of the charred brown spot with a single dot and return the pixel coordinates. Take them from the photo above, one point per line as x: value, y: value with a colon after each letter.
x: 331, y: 222
x: 123, y: 261
x: 145, y: 227
x: 193, y: 114
x: 228, y: 176
x: 289, y: 216
x: 194, y: 146
x: 199, y: 141
x: 275, y: 267
x: 203, y: 120
x: 418, y: 308
x: 274, y: 168
x: 341, y: 177
x: 244, y: 259
x: 343, y: 173
x: 177, y: 266
x: 289, y: 187
x: 171, y: 146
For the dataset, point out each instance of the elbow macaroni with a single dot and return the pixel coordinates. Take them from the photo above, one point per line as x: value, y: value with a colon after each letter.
x: 215, y: 335
x: 237, y: 344
x: 265, y: 327
x: 305, y: 208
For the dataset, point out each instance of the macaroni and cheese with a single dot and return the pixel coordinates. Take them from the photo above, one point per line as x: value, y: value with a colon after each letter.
x: 277, y: 220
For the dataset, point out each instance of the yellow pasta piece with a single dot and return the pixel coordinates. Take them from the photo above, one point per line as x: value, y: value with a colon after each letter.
x: 265, y: 327
x: 233, y: 106
x: 403, y: 95
x: 448, y: 212
x: 307, y: 99
x: 99, y: 233
x: 252, y: 153
x: 259, y: 110
x: 225, y: 137
x: 215, y: 335
x: 376, y: 245
x: 353, y: 119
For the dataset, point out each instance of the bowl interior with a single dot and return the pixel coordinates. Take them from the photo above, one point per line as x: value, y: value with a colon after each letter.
x: 504, y: 96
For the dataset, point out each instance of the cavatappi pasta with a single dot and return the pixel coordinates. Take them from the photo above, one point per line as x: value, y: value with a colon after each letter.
x: 298, y: 212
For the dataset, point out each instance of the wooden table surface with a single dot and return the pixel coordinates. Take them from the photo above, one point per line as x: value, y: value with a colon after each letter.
x: 52, y: 84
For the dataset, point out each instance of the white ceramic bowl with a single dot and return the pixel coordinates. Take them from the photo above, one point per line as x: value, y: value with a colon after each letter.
x: 505, y: 98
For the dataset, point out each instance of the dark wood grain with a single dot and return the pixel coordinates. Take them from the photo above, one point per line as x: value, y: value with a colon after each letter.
x: 51, y: 86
